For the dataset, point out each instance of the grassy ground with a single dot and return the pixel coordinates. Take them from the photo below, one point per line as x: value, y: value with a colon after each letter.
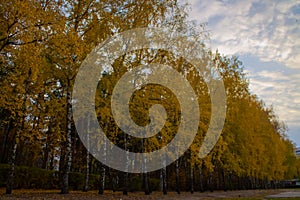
x: 91, y: 195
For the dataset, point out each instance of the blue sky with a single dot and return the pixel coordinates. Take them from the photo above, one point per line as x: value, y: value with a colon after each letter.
x: 265, y: 35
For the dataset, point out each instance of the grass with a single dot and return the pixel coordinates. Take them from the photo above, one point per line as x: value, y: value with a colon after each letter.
x: 91, y: 195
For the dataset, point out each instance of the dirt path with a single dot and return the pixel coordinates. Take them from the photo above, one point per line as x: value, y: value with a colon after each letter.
x: 91, y: 195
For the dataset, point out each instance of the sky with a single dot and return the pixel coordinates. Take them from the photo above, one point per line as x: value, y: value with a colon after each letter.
x: 265, y: 35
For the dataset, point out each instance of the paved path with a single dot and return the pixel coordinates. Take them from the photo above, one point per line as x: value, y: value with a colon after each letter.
x: 285, y: 195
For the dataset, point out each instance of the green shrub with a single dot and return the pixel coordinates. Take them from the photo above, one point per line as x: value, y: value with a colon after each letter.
x: 154, y: 184
x: 136, y: 183
x: 37, y: 178
x: 4, y: 169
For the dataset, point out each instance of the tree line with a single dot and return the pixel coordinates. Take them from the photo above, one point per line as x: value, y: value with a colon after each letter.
x: 42, y: 45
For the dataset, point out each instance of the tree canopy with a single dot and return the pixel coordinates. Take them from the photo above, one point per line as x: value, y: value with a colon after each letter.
x: 43, y: 44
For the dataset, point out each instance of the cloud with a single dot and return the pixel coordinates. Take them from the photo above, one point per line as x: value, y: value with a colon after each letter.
x: 282, y: 90
x: 268, y: 29
x: 266, y: 34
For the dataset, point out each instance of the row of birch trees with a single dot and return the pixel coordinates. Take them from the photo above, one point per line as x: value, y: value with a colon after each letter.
x: 42, y: 45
